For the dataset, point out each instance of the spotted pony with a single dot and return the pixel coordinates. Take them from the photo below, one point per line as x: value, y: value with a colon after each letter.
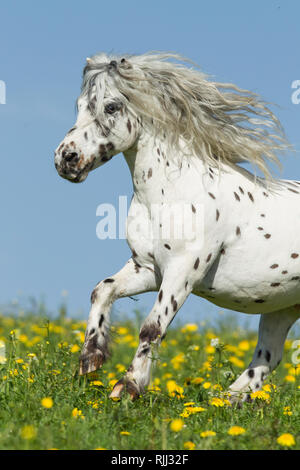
x: 183, y: 137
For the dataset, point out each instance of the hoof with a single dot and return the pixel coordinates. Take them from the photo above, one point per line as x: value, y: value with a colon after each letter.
x: 90, y: 362
x: 125, y: 387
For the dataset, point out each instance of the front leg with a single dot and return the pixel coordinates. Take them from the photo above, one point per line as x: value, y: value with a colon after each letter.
x: 176, y: 286
x: 130, y: 280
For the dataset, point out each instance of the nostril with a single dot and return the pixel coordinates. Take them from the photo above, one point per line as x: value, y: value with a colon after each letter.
x: 71, y: 157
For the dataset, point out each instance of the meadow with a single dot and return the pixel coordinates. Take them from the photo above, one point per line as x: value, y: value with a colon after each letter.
x: 44, y: 404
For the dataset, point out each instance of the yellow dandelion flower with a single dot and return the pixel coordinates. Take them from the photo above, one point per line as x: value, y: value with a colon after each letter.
x: 125, y: 433
x: 189, y: 328
x: 237, y: 362
x: 76, y: 413
x: 174, y: 389
x: 75, y: 348
x: 47, y: 402
x: 207, y: 434
x: 236, y: 430
x: 219, y: 402
x: 195, y: 409
x: 260, y: 395
x: 206, y: 385
x: 97, y: 383
x: 122, y: 330
x: 189, y: 445
x: 244, y: 345
x: 286, y: 440
x: 176, y: 425
x: 289, y: 378
x: 287, y: 411
x: 197, y: 380
x: 210, y: 349
x: 120, y: 367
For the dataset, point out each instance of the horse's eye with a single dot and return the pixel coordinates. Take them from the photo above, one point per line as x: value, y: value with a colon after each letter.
x: 112, y: 107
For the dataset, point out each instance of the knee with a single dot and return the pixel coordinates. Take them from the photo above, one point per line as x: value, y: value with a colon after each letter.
x: 105, y: 287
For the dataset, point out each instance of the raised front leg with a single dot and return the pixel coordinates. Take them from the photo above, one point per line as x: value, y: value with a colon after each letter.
x: 177, y: 284
x: 130, y: 280
x: 273, y: 330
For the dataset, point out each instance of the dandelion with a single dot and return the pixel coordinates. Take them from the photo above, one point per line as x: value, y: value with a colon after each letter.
x: 189, y: 328
x: 97, y: 383
x: 125, y: 433
x: 28, y: 432
x: 77, y: 413
x: 174, y: 389
x: 197, y: 380
x: 206, y: 385
x: 237, y: 362
x: 260, y: 395
x: 75, y: 348
x: 244, y: 345
x: 207, y: 434
x: 47, y: 402
x: 289, y: 378
x: 176, y: 425
x: 287, y: 411
x: 236, y: 431
x: 286, y: 440
x: 219, y: 402
x: 189, y: 445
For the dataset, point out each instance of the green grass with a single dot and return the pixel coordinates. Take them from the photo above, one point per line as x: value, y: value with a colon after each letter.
x: 42, y: 361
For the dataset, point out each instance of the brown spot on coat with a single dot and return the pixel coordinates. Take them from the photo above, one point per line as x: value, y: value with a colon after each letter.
x: 196, y: 263
x: 212, y: 196
x: 294, y: 255
x: 274, y: 266
x: 267, y: 235
x: 237, y: 197
x: 250, y: 197
x: 150, y: 332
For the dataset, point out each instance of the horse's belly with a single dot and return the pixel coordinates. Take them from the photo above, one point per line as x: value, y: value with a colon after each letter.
x: 259, y: 290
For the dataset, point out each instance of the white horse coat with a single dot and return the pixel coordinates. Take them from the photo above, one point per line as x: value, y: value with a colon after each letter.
x: 182, y: 138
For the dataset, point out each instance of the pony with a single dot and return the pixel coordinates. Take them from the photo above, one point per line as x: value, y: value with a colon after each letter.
x: 183, y: 137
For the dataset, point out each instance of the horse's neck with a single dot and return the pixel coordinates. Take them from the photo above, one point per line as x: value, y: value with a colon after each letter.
x: 157, y: 170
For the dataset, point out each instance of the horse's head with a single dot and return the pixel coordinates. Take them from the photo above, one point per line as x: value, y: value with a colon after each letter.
x: 105, y: 125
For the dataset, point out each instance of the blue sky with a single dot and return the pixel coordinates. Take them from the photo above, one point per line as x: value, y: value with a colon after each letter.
x: 48, y: 225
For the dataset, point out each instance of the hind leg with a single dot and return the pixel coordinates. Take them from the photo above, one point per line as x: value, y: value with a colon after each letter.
x: 273, y: 330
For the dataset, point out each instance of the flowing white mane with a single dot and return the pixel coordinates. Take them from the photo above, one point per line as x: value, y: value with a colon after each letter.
x: 214, y: 120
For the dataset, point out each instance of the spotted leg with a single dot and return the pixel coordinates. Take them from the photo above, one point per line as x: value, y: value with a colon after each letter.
x: 174, y: 290
x: 273, y: 330
x: 130, y: 280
